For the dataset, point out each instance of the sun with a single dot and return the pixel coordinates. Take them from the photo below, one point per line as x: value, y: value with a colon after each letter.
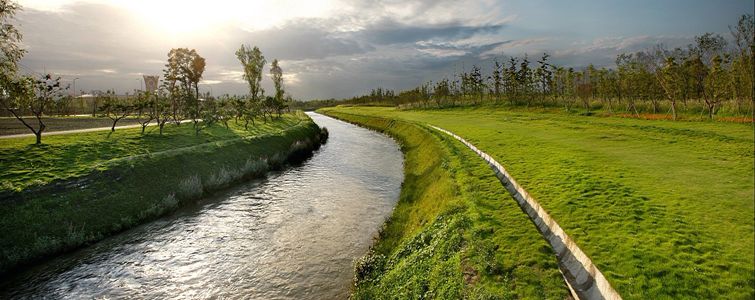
x: 177, y: 17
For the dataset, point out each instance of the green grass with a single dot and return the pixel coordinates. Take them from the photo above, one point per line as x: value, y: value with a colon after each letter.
x: 92, y: 185
x: 61, y: 157
x: 665, y: 209
x: 453, y: 233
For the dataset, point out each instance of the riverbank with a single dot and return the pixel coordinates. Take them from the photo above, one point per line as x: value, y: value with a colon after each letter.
x: 453, y: 234
x: 77, y: 189
x: 664, y: 209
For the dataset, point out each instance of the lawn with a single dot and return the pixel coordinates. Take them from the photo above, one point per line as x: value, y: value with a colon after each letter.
x: 665, y: 209
x: 65, y: 156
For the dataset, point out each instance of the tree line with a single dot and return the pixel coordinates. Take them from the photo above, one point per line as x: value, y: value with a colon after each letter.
x: 177, y: 100
x: 710, y: 76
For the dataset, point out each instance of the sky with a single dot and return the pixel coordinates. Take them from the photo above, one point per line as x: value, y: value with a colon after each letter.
x: 339, y: 48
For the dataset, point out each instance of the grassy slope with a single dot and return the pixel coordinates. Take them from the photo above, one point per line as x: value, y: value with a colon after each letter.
x: 665, y: 209
x: 64, y: 156
x: 104, y: 185
x: 453, y: 234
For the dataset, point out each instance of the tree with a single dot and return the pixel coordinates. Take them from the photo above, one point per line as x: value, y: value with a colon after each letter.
x: 183, y: 73
x: 114, y: 108
x: 524, y: 79
x: 544, y: 76
x: 744, y: 60
x: 26, y: 95
x: 716, y: 84
x: 10, y: 43
x: 497, y: 78
x: 276, y: 73
x: 709, y: 46
x: 670, y: 79
x: 161, y: 110
x: 253, y: 63
x: 476, y: 83
x: 441, y: 91
x: 16, y: 94
x: 143, y: 105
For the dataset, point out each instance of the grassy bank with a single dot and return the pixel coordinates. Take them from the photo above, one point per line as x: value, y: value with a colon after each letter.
x: 453, y: 234
x: 79, y: 188
x: 665, y: 209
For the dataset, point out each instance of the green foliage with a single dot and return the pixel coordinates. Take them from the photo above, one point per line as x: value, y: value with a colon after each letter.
x: 664, y: 209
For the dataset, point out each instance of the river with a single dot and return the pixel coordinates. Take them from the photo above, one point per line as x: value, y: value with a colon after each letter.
x: 291, y: 235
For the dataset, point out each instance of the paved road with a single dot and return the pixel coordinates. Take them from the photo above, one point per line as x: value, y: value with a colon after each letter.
x: 46, y: 133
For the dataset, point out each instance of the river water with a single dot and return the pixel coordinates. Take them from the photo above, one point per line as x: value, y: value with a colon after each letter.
x: 292, y: 235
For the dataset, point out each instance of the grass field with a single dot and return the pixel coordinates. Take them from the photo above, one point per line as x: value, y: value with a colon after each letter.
x: 79, y: 188
x: 665, y: 209
x: 452, y: 234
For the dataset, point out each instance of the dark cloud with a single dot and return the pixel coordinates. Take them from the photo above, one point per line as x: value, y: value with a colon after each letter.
x: 304, y: 39
x: 388, y: 32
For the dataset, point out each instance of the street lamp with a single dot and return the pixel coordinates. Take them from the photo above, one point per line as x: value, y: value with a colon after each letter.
x: 74, y: 87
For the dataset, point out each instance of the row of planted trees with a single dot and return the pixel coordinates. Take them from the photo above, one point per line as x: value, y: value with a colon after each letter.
x: 706, y: 77
x: 31, y: 99
x: 178, y: 98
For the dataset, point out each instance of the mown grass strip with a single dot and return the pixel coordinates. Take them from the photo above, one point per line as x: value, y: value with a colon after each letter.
x: 581, y: 274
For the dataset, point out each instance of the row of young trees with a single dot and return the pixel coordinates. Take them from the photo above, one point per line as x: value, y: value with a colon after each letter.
x: 178, y: 98
x: 706, y: 76
x: 30, y: 100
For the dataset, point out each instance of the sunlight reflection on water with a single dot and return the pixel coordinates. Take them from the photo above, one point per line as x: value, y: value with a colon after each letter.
x: 292, y: 235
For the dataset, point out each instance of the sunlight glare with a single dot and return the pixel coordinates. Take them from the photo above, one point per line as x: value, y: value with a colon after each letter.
x: 201, y: 17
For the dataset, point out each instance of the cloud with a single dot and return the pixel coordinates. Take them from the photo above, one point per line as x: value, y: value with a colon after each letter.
x: 340, y: 50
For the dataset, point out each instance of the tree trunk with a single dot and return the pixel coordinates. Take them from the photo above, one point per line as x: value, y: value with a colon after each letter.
x: 42, y: 126
x: 673, y: 109
x: 710, y: 109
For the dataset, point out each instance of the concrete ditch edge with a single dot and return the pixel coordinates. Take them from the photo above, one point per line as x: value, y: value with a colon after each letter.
x: 582, y: 276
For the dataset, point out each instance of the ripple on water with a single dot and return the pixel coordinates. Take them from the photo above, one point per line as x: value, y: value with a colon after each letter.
x: 292, y: 235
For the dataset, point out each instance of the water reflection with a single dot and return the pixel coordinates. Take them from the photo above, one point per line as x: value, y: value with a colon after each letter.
x: 293, y: 235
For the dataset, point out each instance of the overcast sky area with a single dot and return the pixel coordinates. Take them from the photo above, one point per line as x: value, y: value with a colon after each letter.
x: 337, y: 49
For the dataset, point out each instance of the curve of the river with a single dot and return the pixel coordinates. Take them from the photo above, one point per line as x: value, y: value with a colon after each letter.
x: 292, y: 235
